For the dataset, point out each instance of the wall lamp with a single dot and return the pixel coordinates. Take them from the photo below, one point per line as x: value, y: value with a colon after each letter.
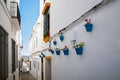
x: 41, y: 55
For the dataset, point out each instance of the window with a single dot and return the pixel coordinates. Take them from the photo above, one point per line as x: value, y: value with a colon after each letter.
x: 5, y: 1
x: 46, y: 26
x: 30, y: 65
x: 36, y: 41
x: 16, y: 56
x: 46, y: 22
x: 13, y: 77
x: 3, y: 54
x: 44, y: 1
x: 34, y: 64
x: 13, y: 55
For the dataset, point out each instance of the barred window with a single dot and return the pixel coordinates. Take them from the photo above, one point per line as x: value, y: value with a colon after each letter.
x: 46, y: 24
x: 14, y: 56
x: 3, y: 54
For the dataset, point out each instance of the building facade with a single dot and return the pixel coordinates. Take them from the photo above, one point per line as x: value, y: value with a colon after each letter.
x: 35, y: 48
x: 78, y: 40
x: 10, y: 40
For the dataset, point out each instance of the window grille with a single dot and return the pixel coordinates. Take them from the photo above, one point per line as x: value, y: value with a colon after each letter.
x: 46, y: 26
x: 13, y: 55
x: 3, y: 54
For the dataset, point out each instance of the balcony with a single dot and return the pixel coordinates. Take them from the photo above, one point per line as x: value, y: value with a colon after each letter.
x: 14, y: 11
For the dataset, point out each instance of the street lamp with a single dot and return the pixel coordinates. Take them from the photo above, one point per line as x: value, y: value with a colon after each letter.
x: 42, y: 55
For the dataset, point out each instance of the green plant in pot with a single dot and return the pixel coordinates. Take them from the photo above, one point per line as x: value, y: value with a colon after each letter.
x: 57, y: 50
x: 79, y: 48
x: 52, y: 51
x: 65, y: 50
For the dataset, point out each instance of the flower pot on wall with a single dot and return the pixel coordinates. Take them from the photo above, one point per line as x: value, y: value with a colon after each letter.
x: 79, y: 50
x: 57, y: 52
x: 88, y: 27
x: 52, y: 51
x: 61, y: 37
x: 66, y: 51
x: 55, y: 42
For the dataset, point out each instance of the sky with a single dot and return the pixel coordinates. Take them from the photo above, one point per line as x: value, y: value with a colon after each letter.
x: 29, y: 10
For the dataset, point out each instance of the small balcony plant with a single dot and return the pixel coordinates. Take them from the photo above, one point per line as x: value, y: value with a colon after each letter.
x: 65, y: 50
x: 55, y: 42
x: 88, y: 25
x: 52, y: 51
x: 79, y: 48
x: 57, y: 50
x: 61, y: 37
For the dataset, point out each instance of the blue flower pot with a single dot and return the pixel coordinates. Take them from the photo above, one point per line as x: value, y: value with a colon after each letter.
x: 66, y: 51
x: 89, y: 27
x: 57, y: 52
x: 61, y: 37
x: 52, y: 51
x: 55, y: 42
x: 79, y: 50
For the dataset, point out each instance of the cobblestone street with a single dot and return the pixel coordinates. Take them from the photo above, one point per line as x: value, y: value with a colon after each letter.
x: 26, y: 76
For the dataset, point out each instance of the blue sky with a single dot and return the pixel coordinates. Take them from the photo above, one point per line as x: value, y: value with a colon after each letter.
x: 29, y: 10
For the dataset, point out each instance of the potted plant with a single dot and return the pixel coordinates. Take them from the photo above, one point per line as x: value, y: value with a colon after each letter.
x: 52, y: 51
x: 55, y: 42
x: 79, y: 48
x: 65, y: 50
x: 61, y: 37
x: 57, y: 50
x: 88, y: 25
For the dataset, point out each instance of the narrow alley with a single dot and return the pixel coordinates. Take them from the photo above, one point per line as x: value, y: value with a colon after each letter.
x: 26, y: 76
x: 59, y: 40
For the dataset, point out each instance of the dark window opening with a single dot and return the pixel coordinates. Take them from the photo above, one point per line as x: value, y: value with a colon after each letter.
x: 46, y: 24
x: 13, y: 55
x: 16, y: 56
x: 13, y: 77
x: 5, y: 1
x: 44, y: 1
x: 30, y: 65
x: 3, y: 54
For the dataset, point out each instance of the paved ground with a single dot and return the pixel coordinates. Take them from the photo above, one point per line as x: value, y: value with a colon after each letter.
x: 26, y: 76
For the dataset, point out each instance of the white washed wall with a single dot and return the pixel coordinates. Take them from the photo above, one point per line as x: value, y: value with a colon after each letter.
x: 101, y: 55
x: 5, y: 23
x: 63, y: 13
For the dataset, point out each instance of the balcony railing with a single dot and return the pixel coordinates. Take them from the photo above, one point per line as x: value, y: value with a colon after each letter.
x: 14, y: 11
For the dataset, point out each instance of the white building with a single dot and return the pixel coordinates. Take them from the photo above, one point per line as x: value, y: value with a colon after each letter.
x: 35, y: 48
x: 100, y: 57
x: 10, y: 39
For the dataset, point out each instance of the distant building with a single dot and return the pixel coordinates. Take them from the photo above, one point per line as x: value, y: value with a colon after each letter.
x: 10, y: 40
x: 25, y: 58
x: 62, y: 24
x: 34, y: 47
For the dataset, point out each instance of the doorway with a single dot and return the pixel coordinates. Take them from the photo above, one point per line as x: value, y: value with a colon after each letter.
x: 48, y: 68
